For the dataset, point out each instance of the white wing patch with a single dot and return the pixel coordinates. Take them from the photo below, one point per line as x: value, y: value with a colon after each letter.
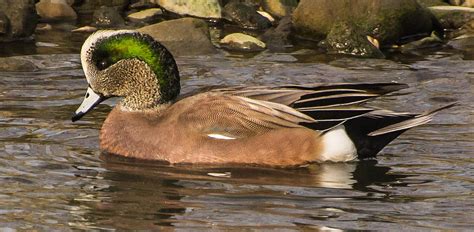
x: 219, y: 136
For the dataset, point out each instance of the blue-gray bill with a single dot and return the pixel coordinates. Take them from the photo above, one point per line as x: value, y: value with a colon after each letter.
x: 90, y: 101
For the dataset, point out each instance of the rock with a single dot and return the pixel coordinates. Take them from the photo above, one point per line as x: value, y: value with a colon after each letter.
x: 427, y: 42
x: 185, y: 36
x: 466, y: 3
x: 385, y: 20
x: 87, y: 7
x: 43, y: 27
x: 346, y: 38
x: 277, y: 39
x: 198, y: 8
x: 428, y: 3
x: 143, y: 4
x: 452, y: 16
x: 147, y: 15
x: 22, y: 19
x: 16, y: 64
x: 464, y: 42
x: 107, y: 17
x: 242, y: 42
x: 279, y: 8
x: 245, y: 16
x: 3, y: 23
x: 85, y: 29
x: 55, y: 10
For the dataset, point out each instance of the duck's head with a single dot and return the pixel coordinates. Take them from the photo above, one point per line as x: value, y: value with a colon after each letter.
x: 127, y: 64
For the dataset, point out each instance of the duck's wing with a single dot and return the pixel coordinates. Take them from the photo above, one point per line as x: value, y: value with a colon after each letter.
x: 227, y: 116
x: 328, y: 104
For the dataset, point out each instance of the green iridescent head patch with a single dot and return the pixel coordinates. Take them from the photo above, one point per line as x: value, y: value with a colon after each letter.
x: 110, y: 50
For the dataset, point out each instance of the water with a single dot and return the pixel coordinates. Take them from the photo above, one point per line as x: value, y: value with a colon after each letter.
x: 53, y: 178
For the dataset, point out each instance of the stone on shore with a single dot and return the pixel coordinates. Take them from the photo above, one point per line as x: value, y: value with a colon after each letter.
x: 245, y: 16
x: 107, y: 17
x: 277, y: 39
x: 87, y: 7
x: 198, y: 8
x: 385, y: 20
x: 346, y: 38
x: 183, y: 37
x: 242, y: 42
x: 145, y: 15
x: 20, y: 19
x: 55, y: 10
x: 466, y: 3
x: 452, y: 16
x: 279, y: 8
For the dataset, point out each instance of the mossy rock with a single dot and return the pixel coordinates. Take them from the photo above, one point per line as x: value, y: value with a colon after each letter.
x: 386, y: 20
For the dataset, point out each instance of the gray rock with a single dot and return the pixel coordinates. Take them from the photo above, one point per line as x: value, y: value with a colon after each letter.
x: 242, y: 42
x: 385, y: 20
x: 55, y: 10
x: 464, y: 42
x: 185, y: 36
x: 22, y: 19
x: 87, y: 7
x: 198, y: 8
x: 277, y: 39
x: 279, y: 8
x: 245, y: 16
x: 346, y: 38
x: 107, y: 17
x: 16, y: 64
x: 452, y: 16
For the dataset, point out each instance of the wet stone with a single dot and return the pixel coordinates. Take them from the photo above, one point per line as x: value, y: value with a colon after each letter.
x: 55, y: 10
x: 198, y: 8
x: 242, y: 42
x: 107, y: 17
x: 147, y: 15
x: 245, y: 16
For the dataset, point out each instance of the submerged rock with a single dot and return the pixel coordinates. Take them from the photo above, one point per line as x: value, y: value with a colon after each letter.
x: 20, y: 19
x: 242, y: 42
x: 245, y: 16
x: 107, y: 17
x: 55, y: 10
x: 198, y: 8
x: 186, y: 36
x: 385, y: 20
x: 346, y: 38
x: 16, y: 64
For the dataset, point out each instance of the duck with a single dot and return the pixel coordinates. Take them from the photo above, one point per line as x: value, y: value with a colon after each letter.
x: 279, y: 126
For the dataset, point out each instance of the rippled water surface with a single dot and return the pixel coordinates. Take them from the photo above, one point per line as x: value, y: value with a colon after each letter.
x: 52, y: 177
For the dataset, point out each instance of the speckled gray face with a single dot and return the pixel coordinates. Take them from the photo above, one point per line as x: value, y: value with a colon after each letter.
x: 128, y: 64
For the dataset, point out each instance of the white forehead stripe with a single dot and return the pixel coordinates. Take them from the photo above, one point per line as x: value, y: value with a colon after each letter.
x: 90, y: 42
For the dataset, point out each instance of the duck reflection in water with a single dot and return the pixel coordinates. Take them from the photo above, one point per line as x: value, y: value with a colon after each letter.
x: 155, y: 196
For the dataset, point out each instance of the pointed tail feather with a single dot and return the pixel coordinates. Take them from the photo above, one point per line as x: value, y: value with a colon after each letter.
x: 372, y: 132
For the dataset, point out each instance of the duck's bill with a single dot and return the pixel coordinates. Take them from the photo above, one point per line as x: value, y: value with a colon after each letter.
x: 90, y: 101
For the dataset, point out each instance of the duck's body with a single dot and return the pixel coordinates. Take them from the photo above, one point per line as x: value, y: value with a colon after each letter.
x: 275, y: 126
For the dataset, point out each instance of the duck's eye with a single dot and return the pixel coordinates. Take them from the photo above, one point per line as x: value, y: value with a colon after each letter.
x: 103, y: 64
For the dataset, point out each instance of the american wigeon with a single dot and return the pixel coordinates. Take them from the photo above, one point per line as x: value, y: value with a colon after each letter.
x: 259, y: 125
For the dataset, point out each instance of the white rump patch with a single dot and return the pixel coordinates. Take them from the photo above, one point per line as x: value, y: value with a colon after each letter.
x: 219, y: 136
x: 337, y: 145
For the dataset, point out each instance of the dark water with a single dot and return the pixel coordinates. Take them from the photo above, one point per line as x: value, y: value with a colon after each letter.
x: 51, y: 176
